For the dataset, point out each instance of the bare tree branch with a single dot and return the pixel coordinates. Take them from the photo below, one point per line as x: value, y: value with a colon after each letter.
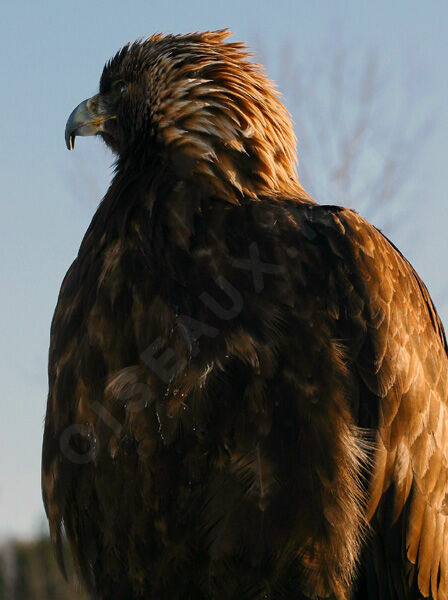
x: 360, y: 135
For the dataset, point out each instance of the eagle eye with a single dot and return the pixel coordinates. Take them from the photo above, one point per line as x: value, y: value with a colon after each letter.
x: 120, y: 86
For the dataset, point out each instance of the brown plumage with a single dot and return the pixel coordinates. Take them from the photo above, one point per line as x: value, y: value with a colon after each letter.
x: 247, y: 389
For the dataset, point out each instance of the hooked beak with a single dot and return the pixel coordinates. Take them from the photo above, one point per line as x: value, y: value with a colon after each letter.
x: 86, y: 119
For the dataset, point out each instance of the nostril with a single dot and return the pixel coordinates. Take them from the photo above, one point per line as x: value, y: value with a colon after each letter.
x: 92, y: 105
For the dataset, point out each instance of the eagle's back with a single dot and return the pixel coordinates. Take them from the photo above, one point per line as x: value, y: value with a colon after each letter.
x: 234, y: 392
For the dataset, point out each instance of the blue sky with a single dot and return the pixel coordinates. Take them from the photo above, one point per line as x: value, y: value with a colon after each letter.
x: 52, y: 56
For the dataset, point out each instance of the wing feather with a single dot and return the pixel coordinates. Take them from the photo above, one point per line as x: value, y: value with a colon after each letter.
x: 403, y: 362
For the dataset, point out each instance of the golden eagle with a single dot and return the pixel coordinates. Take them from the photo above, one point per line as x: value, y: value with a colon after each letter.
x: 247, y: 390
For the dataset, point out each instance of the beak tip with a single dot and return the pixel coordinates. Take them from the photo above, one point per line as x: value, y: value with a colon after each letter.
x: 69, y: 139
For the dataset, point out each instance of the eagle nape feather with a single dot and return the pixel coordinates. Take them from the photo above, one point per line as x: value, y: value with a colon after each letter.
x: 247, y: 390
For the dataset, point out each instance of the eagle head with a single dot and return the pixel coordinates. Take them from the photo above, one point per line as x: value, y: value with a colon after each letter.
x: 199, y: 104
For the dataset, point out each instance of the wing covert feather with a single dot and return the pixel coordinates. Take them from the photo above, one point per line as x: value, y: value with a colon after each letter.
x: 403, y: 362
